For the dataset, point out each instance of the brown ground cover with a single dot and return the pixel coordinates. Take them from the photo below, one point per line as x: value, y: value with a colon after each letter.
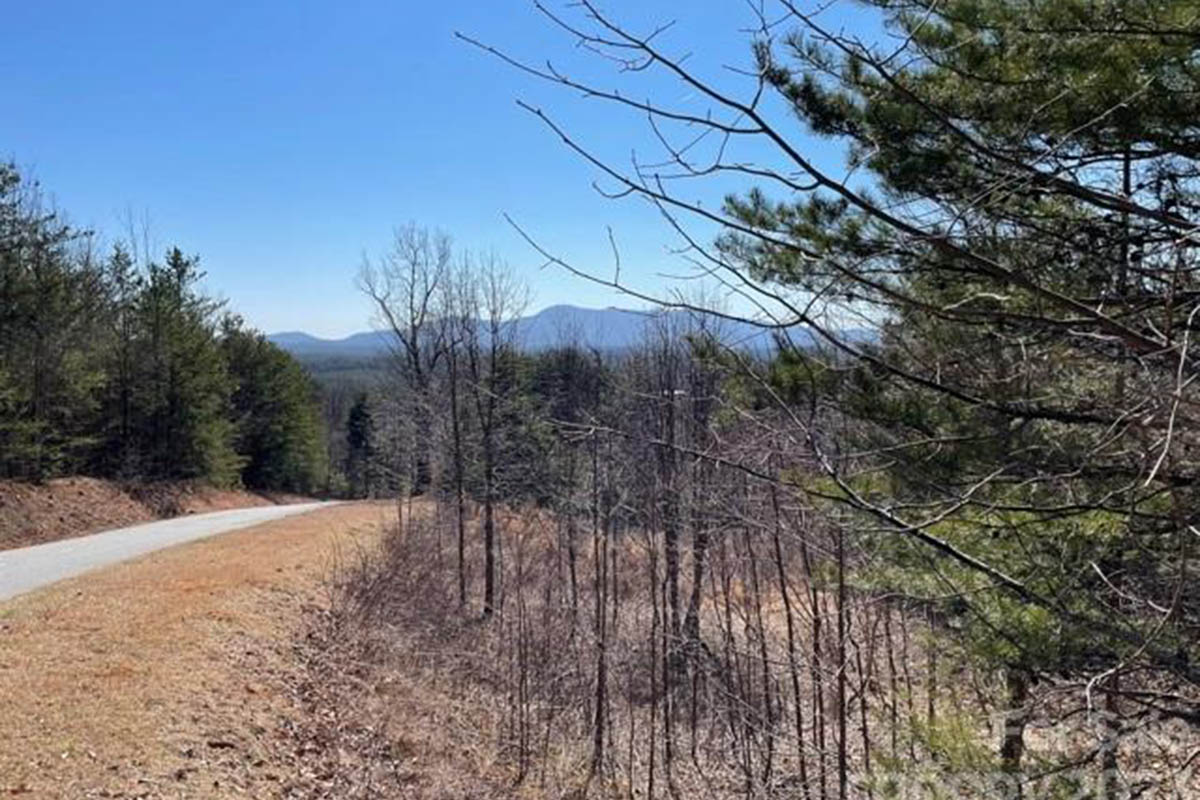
x: 65, y: 507
x: 178, y: 674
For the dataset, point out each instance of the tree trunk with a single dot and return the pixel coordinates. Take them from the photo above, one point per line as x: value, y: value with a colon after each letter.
x: 1012, y: 743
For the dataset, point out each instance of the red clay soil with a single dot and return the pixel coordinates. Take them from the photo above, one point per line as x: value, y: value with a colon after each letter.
x: 65, y: 507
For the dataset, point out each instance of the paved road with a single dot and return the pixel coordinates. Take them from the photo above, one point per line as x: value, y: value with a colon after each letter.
x: 32, y: 567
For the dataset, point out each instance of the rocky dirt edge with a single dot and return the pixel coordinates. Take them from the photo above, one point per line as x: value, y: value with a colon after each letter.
x: 65, y: 507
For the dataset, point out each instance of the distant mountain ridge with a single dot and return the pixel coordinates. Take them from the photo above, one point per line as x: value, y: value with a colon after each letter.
x: 601, y: 328
x: 365, y: 344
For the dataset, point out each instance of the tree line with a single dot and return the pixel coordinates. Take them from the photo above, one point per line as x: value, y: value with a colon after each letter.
x: 120, y: 366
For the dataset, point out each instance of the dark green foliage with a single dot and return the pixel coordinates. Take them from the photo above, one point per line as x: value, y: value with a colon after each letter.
x: 117, y: 370
x: 524, y: 437
x: 49, y: 303
x: 1032, y: 184
x: 182, y: 416
x: 569, y: 385
x: 118, y: 453
x: 361, y: 449
x: 278, y: 431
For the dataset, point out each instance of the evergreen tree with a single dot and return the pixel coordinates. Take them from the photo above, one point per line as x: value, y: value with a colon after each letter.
x: 1037, y: 162
x: 277, y: 428
x: 49, y: 291
x: 117, y: 453
x: 361, y: 449
x: 109, y: 369
x: 182, y: 423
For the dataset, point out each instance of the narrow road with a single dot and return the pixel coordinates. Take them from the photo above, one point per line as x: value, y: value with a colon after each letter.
x: 32, y: 567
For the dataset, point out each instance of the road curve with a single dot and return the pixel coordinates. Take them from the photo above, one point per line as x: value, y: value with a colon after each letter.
x: 32, y: 567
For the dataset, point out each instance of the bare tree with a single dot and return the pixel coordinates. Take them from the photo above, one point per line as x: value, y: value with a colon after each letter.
x: 493, y: 302
x: 456, y: 307
x: 998, y: 293
x: 405, y: 284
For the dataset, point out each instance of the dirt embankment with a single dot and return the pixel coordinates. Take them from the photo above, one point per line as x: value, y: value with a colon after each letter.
x: 65, y: 507
x: 180, y: 674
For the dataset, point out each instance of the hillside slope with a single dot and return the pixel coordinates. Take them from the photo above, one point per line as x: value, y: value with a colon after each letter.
x: 65, y: 507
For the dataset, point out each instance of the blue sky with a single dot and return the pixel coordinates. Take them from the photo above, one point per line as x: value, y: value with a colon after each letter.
x: 282, y: 141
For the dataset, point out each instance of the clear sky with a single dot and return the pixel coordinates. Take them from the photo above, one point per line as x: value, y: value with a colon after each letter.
x: 283, y: 140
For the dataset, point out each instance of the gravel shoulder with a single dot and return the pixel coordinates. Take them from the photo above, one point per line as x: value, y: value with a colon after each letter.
x: 167, y: 676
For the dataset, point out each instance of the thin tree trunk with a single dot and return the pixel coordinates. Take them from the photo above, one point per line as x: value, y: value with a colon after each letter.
x: 815, y: 668
x: 459, y: 480
x: 1109, y: 769
x: 489, y: 529
x: 1012, y: 743
x: 793, y: 662
x: 843, y: 768
x: 768, y: 707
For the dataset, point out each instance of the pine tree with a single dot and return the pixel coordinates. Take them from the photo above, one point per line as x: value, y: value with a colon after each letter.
x: 49, y: 305
x: 182, y: 408
x: 277, y: 429
x: 361, y: 446
x: 117, y: 453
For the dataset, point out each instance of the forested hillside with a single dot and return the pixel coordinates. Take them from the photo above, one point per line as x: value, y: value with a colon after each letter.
x: 120, y: 368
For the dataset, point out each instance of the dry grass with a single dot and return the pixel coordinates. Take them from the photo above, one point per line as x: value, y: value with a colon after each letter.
x: 173, y: 675
x: 504, y: 707
x: 244, y: 666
